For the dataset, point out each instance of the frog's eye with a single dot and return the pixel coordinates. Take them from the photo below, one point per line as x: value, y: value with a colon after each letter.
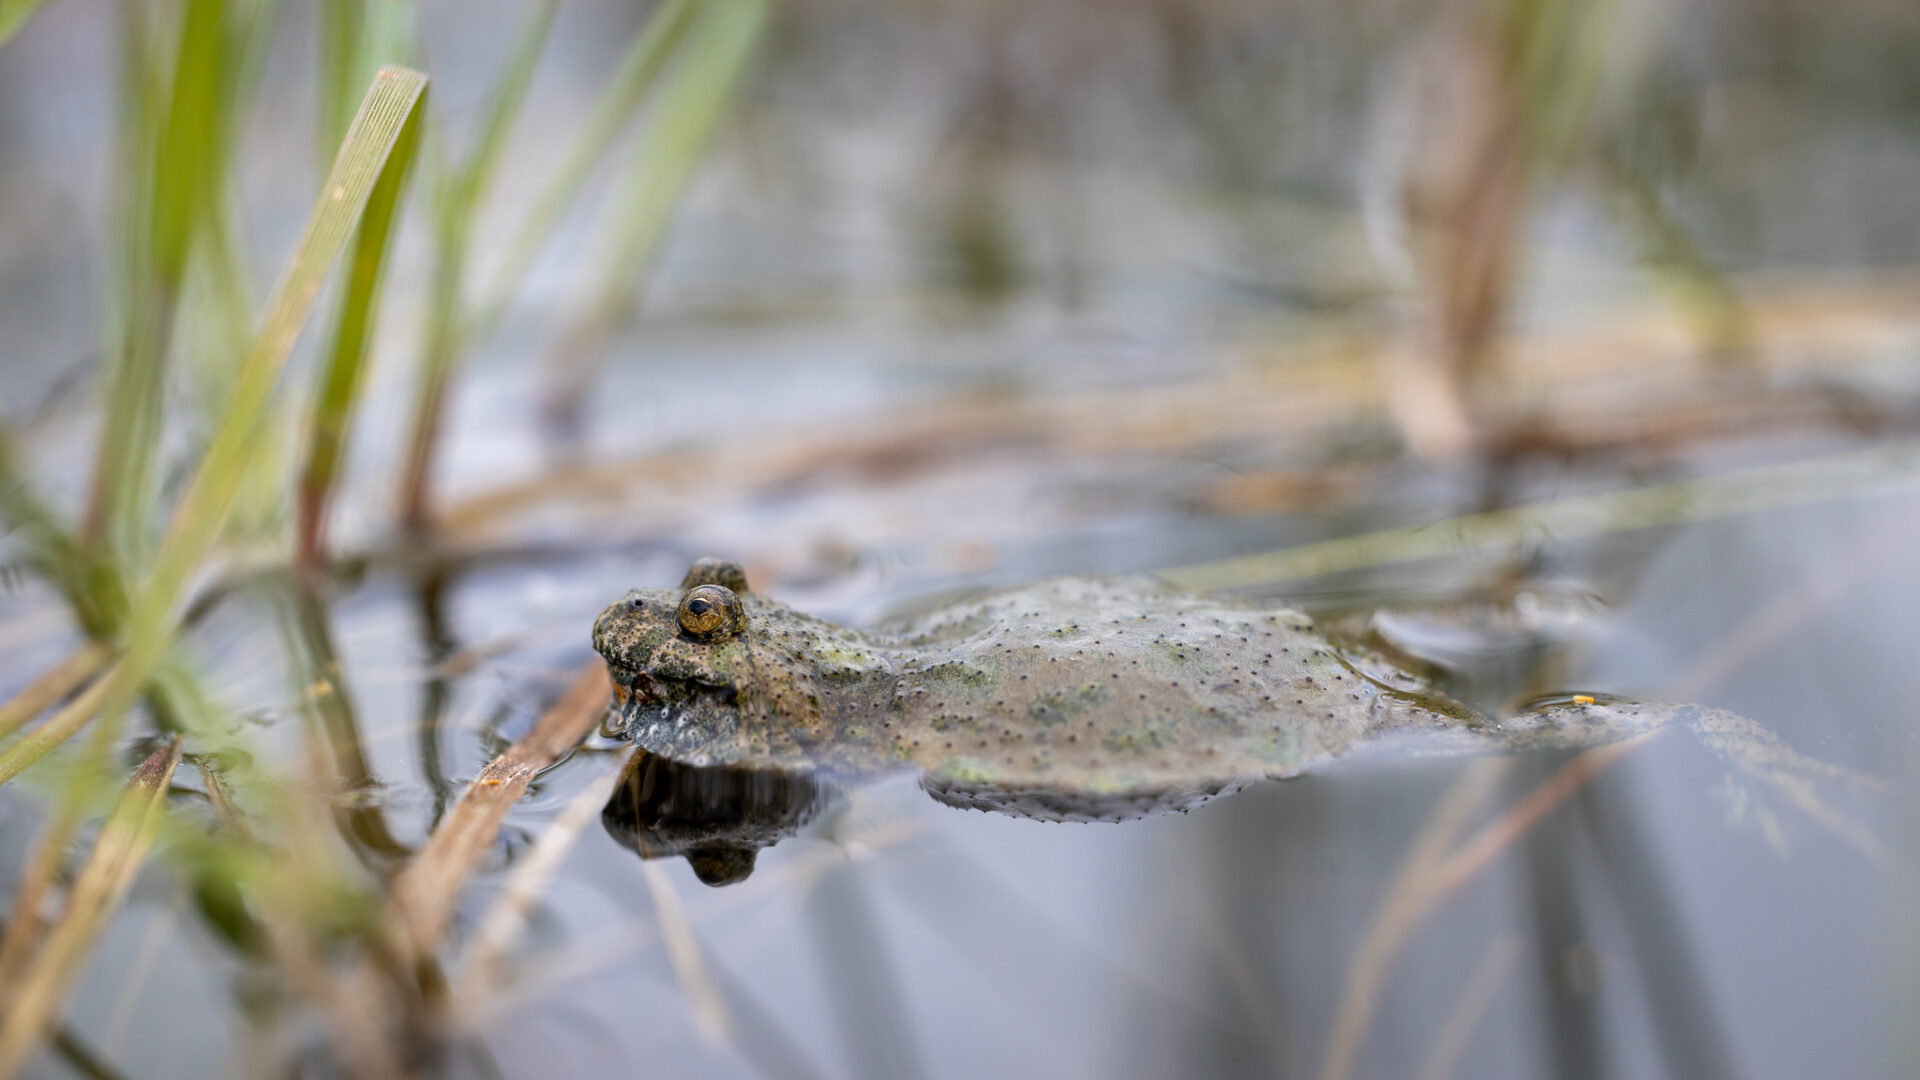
x: 711, y: 612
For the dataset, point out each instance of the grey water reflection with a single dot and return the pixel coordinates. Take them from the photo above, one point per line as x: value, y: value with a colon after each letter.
x: 717, y: 817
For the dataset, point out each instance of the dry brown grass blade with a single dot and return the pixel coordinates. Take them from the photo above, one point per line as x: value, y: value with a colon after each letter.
x: 424, y: 892
x: 1431, y: 873
x: 57, y: 682
x: 34, y: 1003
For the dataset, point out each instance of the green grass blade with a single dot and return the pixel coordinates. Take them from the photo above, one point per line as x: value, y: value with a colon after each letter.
x: 217, y: 304
x: 656, y: 174
x: 390, y: 107
x: 341, y: 377
x: 642, y: 65
x: 689, y: 109
x: 14, y: 15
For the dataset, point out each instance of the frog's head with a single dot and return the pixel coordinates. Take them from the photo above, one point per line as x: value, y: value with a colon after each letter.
x: 678, y: 654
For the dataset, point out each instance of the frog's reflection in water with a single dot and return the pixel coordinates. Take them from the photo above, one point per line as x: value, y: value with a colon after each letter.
x: 718, y: 816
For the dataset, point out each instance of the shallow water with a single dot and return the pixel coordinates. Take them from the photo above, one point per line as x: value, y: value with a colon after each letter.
x: 1009, y: 323
x: 1652, y: 917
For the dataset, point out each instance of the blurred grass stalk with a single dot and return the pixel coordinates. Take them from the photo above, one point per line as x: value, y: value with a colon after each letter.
x: 707, y: 45
x: 176, y: 157
x: 456, y: 198
x: 367, y: 157
x: 367, y: 174
x: 1654, y: 506
x: 656, y: 176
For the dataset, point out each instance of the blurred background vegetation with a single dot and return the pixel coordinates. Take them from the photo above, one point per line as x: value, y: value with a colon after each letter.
x: 353, y: 353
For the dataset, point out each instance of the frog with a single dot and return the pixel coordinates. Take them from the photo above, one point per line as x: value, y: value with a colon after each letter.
x: 1080, y: 698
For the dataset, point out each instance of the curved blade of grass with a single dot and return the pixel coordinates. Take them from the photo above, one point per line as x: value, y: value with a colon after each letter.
x: 14, y: 15
x: 657, y: 173
x: 35, y: 1002
x: 391, y: 106
x: 340, y: 377
x: 1766, y: 488
x: 1675, y: 259
x: 689, y: 108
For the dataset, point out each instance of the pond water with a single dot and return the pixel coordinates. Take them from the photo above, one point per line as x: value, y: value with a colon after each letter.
x: 967, y: 300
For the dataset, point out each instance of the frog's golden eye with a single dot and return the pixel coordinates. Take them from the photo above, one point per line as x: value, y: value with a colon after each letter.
x: 710, y: 612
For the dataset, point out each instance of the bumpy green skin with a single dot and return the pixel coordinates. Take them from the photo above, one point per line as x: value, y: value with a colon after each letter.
x: 1070, y: 699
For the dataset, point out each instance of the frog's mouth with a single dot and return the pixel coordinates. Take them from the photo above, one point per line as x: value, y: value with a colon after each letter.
x: 642, y: 696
